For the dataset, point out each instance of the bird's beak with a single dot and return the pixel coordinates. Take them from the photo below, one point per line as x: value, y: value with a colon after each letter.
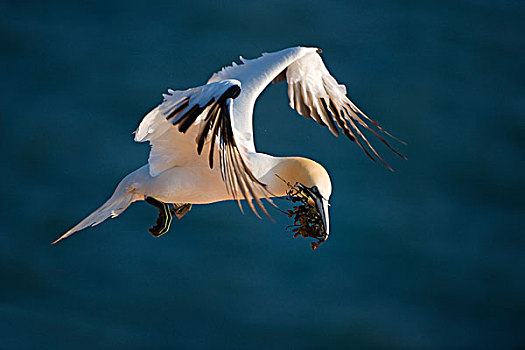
x: 322, y: 207
x: 321, y: 204
x: 325, y: 216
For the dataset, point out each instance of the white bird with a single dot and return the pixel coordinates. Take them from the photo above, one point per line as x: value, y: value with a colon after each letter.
x: 193, y: 130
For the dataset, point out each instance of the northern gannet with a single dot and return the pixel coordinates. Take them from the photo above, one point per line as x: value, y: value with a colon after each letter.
x: 202, y: 147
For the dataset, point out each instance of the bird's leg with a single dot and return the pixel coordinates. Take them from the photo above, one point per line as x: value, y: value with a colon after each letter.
x: 163, y: 221
x: 180, y: 209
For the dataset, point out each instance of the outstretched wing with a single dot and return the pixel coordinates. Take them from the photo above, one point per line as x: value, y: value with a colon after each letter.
x: 205, y: 113
x: 314, y: 93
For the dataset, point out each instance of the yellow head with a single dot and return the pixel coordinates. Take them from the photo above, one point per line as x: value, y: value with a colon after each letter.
x: 311, y: 175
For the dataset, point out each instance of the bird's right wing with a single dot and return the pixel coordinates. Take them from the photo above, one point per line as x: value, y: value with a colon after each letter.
x: 313, y: 91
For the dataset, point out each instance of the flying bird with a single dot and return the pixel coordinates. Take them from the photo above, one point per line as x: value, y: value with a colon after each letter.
x: 202, y: 146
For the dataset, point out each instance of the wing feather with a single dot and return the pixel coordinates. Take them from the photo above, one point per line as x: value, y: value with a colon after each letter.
x: 205, y: 113
x: 314, y: 93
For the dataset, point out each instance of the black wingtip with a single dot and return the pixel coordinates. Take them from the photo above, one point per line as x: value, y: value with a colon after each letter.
x: 231, y: 92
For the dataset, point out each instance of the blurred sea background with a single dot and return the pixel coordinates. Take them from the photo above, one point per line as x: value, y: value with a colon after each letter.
x: 430, y: 256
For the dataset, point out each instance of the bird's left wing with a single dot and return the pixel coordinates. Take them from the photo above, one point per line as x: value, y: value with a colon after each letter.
x: 205, y: 112
x: 314, y: 93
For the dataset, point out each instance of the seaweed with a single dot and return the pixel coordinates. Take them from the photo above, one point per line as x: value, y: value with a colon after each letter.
x: 307, y: 220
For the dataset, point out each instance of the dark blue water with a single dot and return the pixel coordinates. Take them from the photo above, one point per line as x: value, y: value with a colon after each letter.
x: 431, y: 256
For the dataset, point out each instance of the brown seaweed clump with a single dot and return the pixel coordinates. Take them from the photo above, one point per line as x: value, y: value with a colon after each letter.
x: 308, y: 221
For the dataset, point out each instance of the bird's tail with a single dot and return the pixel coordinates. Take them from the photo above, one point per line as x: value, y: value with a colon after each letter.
x: 123, y: 196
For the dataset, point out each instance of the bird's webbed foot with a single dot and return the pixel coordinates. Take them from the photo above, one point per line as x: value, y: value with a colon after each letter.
x: 180, y: 209
x: 162, y: 225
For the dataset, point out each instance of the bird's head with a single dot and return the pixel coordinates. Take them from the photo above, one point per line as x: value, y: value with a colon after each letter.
x: 313, y: 181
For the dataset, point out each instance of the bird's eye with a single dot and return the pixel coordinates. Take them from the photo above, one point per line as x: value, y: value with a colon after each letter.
x: 315, y: 189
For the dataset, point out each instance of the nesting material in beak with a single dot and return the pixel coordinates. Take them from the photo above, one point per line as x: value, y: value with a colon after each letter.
x: 308, y: 213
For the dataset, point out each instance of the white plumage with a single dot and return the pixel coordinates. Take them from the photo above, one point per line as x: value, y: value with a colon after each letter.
x: 202, y: 147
